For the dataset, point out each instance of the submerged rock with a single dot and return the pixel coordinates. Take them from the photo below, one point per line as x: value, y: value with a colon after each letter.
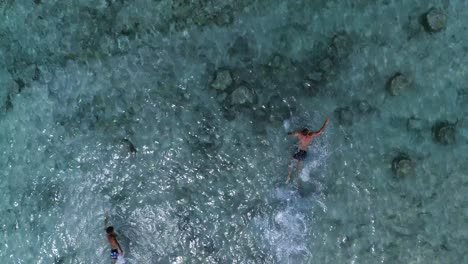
x: 222, y: 81
x: 363, y: 107
x: 242, y: 96
x: 241, y: 49
x: 444, y: 133
x: 205, y: 137
x: 224, y: 17
x: 20, y: 84
x: 244, y: 74
x: 434, y: 20
x: 398, y: 83
x: 403, y: 166
x: 341, y: 46
x: 130, y: 30
x: 326, y: 65
x: 345, y: 115
x: 129, y: 145
x: 25, y: 75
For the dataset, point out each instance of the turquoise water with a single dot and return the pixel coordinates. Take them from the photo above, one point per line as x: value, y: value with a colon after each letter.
x: 206, y: 184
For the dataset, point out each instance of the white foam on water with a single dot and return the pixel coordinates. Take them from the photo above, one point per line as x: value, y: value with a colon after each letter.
x: 286, y: 232
x: 318, y: 155
x: 287, y: 124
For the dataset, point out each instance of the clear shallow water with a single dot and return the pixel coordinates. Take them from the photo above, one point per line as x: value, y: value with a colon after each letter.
x: 207, y: 183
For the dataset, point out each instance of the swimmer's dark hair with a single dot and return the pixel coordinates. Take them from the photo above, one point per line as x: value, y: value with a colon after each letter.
x: 305, y: 131
x: 109, y: 229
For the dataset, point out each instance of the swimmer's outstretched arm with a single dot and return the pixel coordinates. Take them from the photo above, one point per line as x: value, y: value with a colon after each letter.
x: 293, y: 134
x: 322, y: 129
x: 106, y: 221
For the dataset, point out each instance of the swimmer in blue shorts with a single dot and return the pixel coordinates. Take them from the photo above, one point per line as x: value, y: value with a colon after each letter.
x: 116, y: 250
x: 305, y: 137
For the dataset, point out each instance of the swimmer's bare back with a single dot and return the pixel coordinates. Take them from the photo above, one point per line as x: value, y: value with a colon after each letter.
x: 116, y: 250
x: 305, y: 137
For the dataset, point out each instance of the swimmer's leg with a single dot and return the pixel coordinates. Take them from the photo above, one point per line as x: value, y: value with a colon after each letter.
x: 291, y: 168
x: 299, y: 167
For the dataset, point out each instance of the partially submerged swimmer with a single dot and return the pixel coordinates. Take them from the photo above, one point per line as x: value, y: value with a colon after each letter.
x: 305, y: 137
x: 116, y: 250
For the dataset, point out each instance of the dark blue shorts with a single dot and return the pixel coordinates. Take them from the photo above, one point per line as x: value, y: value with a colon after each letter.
x: 300, y: 155
x: 114, y: 254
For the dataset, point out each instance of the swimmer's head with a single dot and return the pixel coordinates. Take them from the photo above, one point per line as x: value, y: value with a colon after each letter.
x: 110, y: 230
x: 305, y: 131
